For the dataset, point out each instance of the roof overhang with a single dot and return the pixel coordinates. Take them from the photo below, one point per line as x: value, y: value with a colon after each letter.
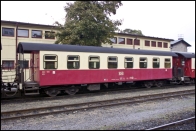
x: 186, y: 54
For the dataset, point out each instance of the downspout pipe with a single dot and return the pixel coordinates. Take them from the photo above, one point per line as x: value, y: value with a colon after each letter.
x: 16, y: 52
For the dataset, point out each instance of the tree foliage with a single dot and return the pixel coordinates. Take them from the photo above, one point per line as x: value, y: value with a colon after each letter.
x: 88, y: 23
x: 130, y: 31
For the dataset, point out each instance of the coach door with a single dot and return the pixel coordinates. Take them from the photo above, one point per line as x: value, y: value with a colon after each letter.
x: 34, y: 73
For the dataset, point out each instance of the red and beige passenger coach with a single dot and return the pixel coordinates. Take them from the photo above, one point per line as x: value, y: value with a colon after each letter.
x: 56, y: 68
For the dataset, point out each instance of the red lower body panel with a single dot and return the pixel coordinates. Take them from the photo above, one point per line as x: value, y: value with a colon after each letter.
x: 193, y: 73
x: 64, y: 77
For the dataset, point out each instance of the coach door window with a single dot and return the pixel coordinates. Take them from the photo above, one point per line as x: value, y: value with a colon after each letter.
x: 167, y: 63
x: 73, y: 62
x: 50, y: 61
x: 128, y: 62
x: 156, y: 62
x: 94, y: 62
x: 143, y: 62
x: 112, y: 62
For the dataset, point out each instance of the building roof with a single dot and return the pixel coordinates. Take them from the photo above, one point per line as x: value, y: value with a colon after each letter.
x: 25, y: 23
x: 25, y: 47
x: 179, y: 41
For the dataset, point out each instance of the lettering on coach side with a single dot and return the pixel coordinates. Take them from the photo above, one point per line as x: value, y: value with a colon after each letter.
x: 121, y: 73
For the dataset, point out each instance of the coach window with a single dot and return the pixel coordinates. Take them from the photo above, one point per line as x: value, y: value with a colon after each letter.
x: 50, y: 61
x: 73, y: 62
x: 128, y: 62
x: 143, y: 62
x: 167, y: 63
x: 94, y: 62
x: 156, y: 62
x: 112, y: 62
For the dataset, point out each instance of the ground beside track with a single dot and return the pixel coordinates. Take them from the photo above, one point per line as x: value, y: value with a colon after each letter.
x: 137, y: 116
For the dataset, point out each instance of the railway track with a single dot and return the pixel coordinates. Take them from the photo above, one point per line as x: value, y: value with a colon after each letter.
x: 101, y: 92
x: 171, y: 124
x: 72, y: 108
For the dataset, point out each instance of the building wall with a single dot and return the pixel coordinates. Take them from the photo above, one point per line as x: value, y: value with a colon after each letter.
x: 142, y: 43
x: 8, y: 52
x: 179, y: 47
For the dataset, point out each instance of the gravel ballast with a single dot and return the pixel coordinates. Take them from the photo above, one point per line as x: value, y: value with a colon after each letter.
x: 131, y: 116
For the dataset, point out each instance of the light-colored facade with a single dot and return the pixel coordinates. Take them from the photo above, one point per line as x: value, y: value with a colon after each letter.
x: 122, y: 40
x: 35, y: 33
x: 26, y: 33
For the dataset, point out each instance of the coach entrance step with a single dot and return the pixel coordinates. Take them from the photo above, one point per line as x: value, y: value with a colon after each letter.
x: 31, y: 88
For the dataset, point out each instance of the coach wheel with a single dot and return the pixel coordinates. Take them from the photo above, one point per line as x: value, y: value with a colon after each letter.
x: 72, y: 90
x: 148, y: 84
x: 52, y: 92
x: 158, y: 83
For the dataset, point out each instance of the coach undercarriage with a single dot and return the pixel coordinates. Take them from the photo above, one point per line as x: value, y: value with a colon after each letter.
x: 32, y: 88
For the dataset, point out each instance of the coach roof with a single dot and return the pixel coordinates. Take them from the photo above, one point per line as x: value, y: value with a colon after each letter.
x: 186, y: 54
x: 24, y: 47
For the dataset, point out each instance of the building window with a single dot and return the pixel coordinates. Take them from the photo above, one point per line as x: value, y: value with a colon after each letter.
x: 136, y: 42
x: 7, y: 31
x: 94, y: 62
x: 114, y: 40
x: 153, y: 43
x: 49, y: 35
x: 7, y: 64
x: 23, y: 64
x: 129, y: 41
x: 143, y: 62
x: 73, y: 62
x: 159, y: 44
x: 36, y: 34
x: 50, y: 61
x: 128, y: 62
x: 121, y: 40
x: 167, y: 63
x: 165, y: 45
x: 156, y: 62
x: 23, y: 33
x: 147, y: 43
x: 112, y: 62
